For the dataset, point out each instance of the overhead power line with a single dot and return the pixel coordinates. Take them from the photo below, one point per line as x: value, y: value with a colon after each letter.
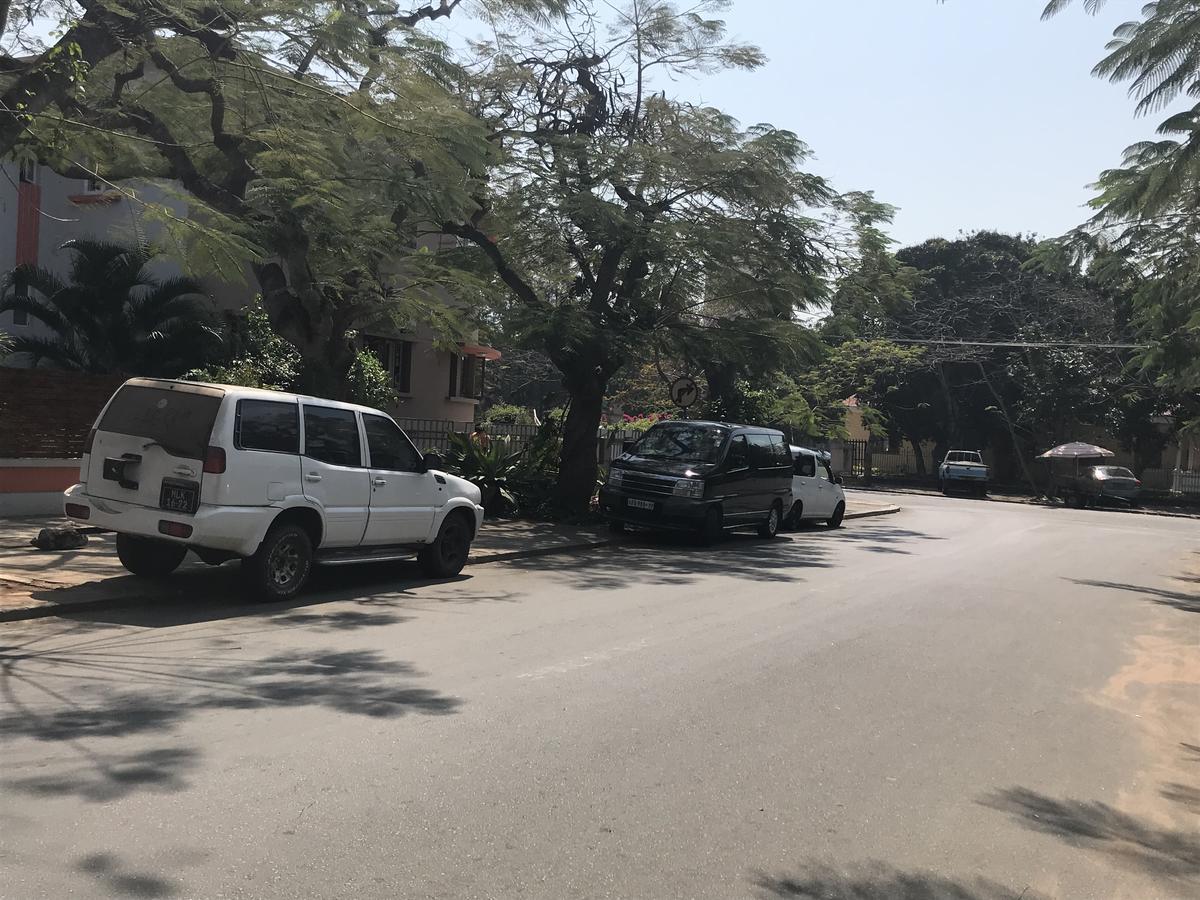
x: 1018, y: 344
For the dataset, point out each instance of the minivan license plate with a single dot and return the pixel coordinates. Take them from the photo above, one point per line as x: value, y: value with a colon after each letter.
x: 179, y: 496
x: 639, y: 504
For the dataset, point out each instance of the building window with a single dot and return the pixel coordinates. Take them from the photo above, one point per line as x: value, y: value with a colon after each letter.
x: 396, y: 357
x: 28, y: 171
x: 466, y: 377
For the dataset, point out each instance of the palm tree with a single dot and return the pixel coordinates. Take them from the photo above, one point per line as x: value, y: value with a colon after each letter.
x: 112, y: 313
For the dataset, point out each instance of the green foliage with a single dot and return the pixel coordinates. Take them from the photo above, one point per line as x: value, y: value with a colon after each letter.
x: 259, y: 357
x: 315, y: 142
x: 1148, y: 209
x: 630, y: 222
x: 112, y: 313
x: 488, y: 468
x: 507, y: 414
x: 370, y: 383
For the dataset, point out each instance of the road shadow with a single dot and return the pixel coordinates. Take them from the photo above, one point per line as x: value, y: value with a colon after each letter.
x: 879, y: 881
x: 1162, y: 853
x: 872, y: 536
x: 212, y: 594
x: 649, y: 558
x: 116, y: 877
x: 81, y: 691
x: 1174, y: 599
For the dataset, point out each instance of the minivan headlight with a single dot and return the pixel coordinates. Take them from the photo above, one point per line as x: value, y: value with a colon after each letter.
x: 616, y: 477
x: 689, y: 487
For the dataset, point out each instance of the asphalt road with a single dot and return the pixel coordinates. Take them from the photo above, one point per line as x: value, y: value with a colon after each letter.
x: 965, y: 701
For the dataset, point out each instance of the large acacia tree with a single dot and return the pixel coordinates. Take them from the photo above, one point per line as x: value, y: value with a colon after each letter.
x: 617, y: 217
x: 313, y: 139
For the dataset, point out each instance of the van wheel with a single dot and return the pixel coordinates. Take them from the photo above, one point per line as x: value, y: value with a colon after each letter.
x: 148, y: 557
x: 770, y: 527
x: 713, y: 528
x: 616, y: 526
x: 447, y: 555
x: 795, y: 516
x: 281, y: 565
x: 835, y: 521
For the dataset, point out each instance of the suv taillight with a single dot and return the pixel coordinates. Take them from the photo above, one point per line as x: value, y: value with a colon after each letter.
x: 214, y: 461
x: 87, y: 445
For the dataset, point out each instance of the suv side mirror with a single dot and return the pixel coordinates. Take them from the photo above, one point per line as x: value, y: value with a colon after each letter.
x: 837, y: 479
x: 432, y: 460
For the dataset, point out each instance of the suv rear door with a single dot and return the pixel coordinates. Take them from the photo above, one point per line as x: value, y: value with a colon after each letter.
x: 150, y: 444
x: 334, y: 473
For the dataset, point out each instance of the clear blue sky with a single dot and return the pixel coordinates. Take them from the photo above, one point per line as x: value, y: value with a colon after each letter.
x: 967, y: 114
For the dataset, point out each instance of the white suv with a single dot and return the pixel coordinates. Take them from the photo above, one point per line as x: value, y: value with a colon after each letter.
x: 280, y: 481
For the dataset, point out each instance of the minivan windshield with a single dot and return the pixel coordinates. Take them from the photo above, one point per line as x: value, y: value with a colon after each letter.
x: 178, y: 421
x: 682, y: 442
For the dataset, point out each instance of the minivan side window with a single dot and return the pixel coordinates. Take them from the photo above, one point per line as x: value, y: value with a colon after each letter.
x: 388, y: 446
x: 331, y: 436
x: 267, y: 425
x: 762, y: 454
x: 738, y: 456
x: 783, y: 456
x: 806, y: 466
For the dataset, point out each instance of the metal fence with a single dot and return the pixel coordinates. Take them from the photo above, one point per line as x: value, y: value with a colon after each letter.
x: 1187, y: 483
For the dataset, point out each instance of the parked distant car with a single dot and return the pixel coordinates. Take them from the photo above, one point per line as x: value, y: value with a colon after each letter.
x: 1099, y: 483
x: 963, y: 470
x: 1082, y: 474
x: 817, y: 494
x: 705, y: 477
x: 280, y: 481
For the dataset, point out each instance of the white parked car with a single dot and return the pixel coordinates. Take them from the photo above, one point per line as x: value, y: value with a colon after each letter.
x: 280, y: 481
x: 817, y: 493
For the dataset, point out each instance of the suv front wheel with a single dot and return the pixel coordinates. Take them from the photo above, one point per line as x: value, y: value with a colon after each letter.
x: 148, y: 557
x: 447, y: 555
x: 280, y: 567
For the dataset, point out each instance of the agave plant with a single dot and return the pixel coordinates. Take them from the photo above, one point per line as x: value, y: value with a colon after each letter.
x: 488, y: 468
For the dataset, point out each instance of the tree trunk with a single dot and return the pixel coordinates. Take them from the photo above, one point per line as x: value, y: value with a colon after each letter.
x: 1012, y: 433
x: 577, y: 462
x: 721, y: 400
x: 919, y: 456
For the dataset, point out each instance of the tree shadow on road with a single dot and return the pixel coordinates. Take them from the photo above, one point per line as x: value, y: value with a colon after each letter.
x: 1174, y: 599
x: 879, y: 881
x: 1163, y: 853
x: 644, y: 559
x: 82, y: 692
x: 118, y: 878
x: 210, y: 595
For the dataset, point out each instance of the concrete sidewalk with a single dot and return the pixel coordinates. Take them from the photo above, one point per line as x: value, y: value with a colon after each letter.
x: 36, y: 583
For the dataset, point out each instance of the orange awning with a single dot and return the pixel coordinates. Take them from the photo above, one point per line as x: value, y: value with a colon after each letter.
x: 489, y: 353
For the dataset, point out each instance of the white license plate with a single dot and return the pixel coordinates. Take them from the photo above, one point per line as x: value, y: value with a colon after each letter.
x: 639, y: 504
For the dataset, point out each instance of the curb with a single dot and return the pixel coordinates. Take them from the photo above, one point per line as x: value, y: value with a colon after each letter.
x: 47, y: 610
x: 872, y: 513
x: 55, y: 609
x: 1027, y: 501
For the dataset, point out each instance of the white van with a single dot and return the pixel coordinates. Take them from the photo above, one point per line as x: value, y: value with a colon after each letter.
x: 817, y: 493
x: 280, y: 481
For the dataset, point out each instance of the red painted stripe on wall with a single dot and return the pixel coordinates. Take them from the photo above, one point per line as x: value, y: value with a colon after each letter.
x: 29, y: 201
x: 32, y: 480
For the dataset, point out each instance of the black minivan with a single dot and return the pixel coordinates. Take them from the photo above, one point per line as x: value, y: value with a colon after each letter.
x: 707, y: 477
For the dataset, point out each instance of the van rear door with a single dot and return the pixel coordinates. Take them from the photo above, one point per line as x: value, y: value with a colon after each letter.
x: 150, y: 444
